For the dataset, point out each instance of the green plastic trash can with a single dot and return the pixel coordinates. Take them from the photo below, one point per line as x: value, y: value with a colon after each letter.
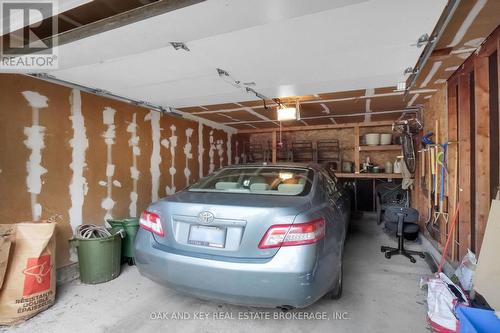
x: 131, y: 226
x: 99, y: 258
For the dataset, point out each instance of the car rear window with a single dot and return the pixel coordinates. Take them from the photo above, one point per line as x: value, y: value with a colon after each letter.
x: 258, y: 180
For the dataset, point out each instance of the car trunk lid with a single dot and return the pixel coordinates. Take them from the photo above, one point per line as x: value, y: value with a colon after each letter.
x: 221, y: 224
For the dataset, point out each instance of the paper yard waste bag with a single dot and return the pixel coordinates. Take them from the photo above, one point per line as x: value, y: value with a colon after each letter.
x: 6, y: 232
x: 30, y: 281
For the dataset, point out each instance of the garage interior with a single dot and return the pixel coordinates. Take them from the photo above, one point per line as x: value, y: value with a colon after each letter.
x: 149, y: 97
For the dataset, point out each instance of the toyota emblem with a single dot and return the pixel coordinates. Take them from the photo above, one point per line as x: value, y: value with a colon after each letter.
x: 206, y: 217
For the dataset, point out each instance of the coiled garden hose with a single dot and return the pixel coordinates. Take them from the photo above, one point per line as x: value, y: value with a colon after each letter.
x: 88, y: 231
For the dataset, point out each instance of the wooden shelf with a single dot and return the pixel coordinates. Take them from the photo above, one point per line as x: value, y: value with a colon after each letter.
x: 319, y: 127
x: 368, y: 175
x: 380, y: 148
x: 356, y: 147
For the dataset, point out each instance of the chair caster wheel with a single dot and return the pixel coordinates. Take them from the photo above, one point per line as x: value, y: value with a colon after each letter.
x: 382, y: 250
x: 422, y: 255
x: 387, y: 255
x: 413, y: 260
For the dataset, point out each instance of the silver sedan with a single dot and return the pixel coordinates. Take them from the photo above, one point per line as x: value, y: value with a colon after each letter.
x: 259, y: 235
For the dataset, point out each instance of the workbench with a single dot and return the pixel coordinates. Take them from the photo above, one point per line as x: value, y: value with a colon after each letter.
x: 367, y: 175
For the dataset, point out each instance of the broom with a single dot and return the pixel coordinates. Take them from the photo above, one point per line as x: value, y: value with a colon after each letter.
x: 450, y: 235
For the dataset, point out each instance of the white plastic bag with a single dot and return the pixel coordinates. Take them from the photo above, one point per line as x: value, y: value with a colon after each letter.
x: 465, y: 271
x: 441, y: 302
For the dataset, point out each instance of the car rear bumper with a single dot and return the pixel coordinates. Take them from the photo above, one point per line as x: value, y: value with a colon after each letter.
x: 286, y: 279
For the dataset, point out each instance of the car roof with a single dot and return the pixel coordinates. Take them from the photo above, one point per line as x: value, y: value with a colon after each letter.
x: 310, y: 165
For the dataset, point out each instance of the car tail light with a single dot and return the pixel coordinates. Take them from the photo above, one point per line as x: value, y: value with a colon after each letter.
x: 151, y: 222
x: 293, y: 234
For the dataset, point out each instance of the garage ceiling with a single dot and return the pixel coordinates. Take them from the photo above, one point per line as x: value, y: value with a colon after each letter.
x: 472, y: 22
x: 281, y: 48
x: 318, y: 109
x: 71, y: 14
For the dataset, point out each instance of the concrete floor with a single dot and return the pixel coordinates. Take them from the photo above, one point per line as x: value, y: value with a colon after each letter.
x: 380, y: 295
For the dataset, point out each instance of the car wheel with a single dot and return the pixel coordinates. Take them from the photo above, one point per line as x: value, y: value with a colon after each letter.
x: 336, y: 292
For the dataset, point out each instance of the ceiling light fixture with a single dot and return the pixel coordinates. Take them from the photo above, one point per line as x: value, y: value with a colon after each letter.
x: 284, y: 114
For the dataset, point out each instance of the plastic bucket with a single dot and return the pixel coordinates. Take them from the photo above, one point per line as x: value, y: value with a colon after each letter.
x: 385, y: 138
x: 372, y: 139
x: 131, y: 226
x: 99, y: 258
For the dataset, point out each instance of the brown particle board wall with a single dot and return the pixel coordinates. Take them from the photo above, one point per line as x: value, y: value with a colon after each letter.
x: 58, y: 156
x: 344, y: 135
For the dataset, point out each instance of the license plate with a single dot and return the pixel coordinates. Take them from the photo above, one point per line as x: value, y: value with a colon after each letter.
x: 207, y: 236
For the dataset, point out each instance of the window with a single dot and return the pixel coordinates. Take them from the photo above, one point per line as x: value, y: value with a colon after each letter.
x: 258, y: 180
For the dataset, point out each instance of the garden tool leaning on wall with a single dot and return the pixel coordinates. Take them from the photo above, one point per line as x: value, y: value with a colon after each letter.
x: 427, y: 173
x: 441, y: 162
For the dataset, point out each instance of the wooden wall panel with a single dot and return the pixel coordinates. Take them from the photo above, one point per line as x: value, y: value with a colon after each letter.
x: 452, y: 162
x: 498, y: 84
x: 451, y: 154
x: 475, y: 131
x: 357, y: 162
x: 465, y: 158
x: 482, y: 134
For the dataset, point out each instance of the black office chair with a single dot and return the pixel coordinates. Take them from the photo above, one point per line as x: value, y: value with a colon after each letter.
x: 389, y: 194
x: 402, y: 220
